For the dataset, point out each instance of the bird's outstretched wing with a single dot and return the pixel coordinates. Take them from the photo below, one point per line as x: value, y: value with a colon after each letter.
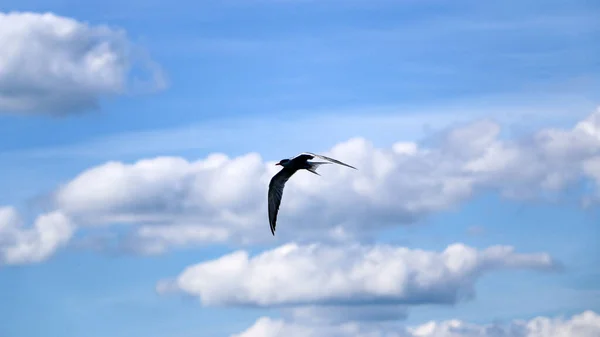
x: 310, y: 155
x: 275, y: 193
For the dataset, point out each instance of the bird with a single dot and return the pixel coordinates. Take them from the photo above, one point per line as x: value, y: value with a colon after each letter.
x: 289, y: 167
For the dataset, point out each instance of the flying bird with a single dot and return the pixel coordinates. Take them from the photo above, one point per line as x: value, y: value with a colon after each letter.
x: 290, y: 166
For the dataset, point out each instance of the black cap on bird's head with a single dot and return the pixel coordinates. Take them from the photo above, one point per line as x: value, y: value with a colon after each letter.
x: 282, y: 162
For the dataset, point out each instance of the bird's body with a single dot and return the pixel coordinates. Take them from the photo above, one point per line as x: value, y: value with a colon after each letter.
x: 291, y: 166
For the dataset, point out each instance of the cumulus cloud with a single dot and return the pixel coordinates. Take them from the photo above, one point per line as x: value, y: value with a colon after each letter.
x: 585, y: 324
x: 175, y: 202
x: 57, y: 65
x: 20, y: 245
x: 292, y: 275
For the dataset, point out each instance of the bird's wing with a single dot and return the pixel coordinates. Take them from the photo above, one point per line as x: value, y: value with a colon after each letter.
x: 304, y: 156
x: 275, y: 193
x: 326, y: 158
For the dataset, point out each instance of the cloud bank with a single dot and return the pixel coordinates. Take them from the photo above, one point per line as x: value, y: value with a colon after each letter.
x: 586, y: 324
x: 171, y: 202
x: 296, y: 275
x: 175, y: 202
x: 51, y: 64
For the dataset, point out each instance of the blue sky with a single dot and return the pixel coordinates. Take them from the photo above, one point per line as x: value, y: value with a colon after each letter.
x: 278, y: 78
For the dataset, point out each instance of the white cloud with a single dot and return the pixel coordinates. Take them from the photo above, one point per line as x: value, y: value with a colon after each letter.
x: 347, y: 275
x: 56, y: 65
x: 585, y: 324
x: 219, y: 199
x: 19, y: 245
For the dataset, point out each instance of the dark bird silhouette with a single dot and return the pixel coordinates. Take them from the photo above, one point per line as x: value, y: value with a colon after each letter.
x: 290, y: 166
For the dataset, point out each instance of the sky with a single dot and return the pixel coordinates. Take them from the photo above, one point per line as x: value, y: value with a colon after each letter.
x: 137, y: 141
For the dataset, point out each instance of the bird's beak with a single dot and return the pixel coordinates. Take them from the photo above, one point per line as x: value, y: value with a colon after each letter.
x: 277, y: 164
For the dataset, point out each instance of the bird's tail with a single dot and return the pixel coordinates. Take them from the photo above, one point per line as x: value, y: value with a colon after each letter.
x: 314, y: 165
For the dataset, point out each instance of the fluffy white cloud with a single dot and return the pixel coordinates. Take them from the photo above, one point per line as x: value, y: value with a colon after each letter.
x: 586, y: 324
x: 347, y: 274
x: 53, y: 64
x: 179, y: 202
x: 19, y: 245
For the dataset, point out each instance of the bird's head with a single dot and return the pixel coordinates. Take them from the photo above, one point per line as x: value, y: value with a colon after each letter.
x: 282, y: 162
